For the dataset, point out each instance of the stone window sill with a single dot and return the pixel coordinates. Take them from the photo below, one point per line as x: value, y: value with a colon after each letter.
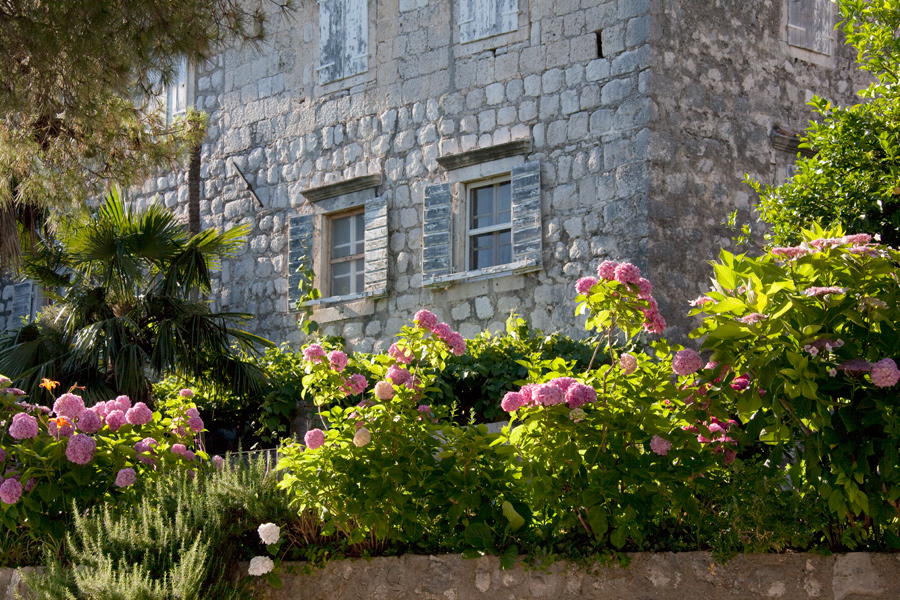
x: 370, y: 295
x: 515, y: 268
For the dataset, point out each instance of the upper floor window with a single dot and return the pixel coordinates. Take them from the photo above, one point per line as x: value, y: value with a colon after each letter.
x: 347, y: 253
x: 479, y: 19
x: 343, y: 39
x: 810, y: 25
x: 490, y: 225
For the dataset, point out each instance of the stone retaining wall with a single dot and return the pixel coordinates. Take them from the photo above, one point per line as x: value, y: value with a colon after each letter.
x: 667, y: 576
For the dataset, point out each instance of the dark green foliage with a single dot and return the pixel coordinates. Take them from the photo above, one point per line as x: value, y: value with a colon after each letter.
x: 181, y: 542
x: 127, y: 311
x: 854, y: 179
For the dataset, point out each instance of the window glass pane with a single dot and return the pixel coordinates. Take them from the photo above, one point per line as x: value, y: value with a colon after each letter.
x: 340, y: 278
x: 482, y: 251
x: 359, y: 236
x: 504, y: 251
x: 360, y: 266
x: 504, y: 202
x: 482, y: 207
x: 340, y: 238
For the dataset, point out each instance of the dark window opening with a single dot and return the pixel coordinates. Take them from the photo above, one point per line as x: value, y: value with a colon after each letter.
x: 599, y: 34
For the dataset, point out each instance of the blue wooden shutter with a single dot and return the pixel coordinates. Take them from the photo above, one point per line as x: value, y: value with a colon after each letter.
x: 479, y: 19
x: 376, y: 241
x: 356, y: 36
x: 23, y: 297
x: 507, y: 16
x: 436, y: 239
x: 331, y: 40
x: 811, y: 25
x: 302, y: 234
x: 526, y: 213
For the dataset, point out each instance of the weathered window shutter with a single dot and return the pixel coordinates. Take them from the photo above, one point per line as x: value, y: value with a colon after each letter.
x: 436, y: 238
x: 356, y: 35
x: 23, y: 300
x: 301, y: 253
x: 526, y: 213
x: 508, y: 16
x: 811, y: 25
x: 331, y: 40
x: 176, y: 93
x: 376, y: 240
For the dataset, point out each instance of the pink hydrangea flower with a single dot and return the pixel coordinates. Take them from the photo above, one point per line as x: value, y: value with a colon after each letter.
x: 701, y: 301
x: 2, y: 455
x: 753, y: 318
x: 583, y: 286
x: 139, y: 414
x: 218, y: 462
x: 115, y: 419
x: 856, y: 239
x: 563, y: 383
x: 442, y: 330
x: 512, y: 401
x: 456, y: 342
x: 80, y: 449
x: 580, y: 394
x: 29, y: 485
x: 69, y: 406
x: 645, y: 288
x: 338, y: 360
x: 60, y: 427
x: 527, y: 392
x: 123, y: 403
x: 627, y: 273
x: 89, y: 422
x: 357, y: 383
x: 314, y: 439
x: 192, y: 412
x: 23, y: 426
x: 739, y: 384
x: 384, y: 390
x: 790, y: 253
x: 195, y: 424
x: 425, y: 319
x: 548, y: 395
x: 100, y: 409
x: 884, y: 373
x: 189, y: 455
x: 145, y: 445
x: 179, y: 449
x: 125, y: 477
x: 823, y: 291
x: 660, y: 445
x: 186, y: 393
x: 10, y: 491
x: 607, y: 270
x: 856, y: 365
x: 627, y: 363
x: 401, y: 355
x: 397, y: 375
x: 362, y: 437
x: 314, y: 353
x: 655, y: 323
x: 687, y: 361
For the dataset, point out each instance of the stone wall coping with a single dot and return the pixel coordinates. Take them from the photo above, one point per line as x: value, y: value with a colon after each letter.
x: 648, y: 576
x: 513, y: 268
x: 482, y: 155
x: 347, y: 186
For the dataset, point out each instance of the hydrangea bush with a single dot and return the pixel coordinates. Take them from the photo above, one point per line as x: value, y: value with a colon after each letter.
x: 804, y: 341
x: 52, y: 457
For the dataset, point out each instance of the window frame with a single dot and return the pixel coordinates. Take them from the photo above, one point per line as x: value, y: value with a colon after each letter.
x: 345, y: 79
x: 804, y: 50
x: 466, y: 196
x: 327, y: 249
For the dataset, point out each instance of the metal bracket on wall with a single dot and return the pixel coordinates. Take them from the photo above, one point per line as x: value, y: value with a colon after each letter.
x: 246, y: 183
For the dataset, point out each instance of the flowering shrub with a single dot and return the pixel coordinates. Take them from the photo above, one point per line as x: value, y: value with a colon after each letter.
x: 50, y: 458
x: 805, y: 344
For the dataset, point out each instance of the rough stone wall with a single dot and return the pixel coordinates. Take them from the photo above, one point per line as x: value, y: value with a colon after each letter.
x: 424, y: 97
x: 723, y: 78
x: 682, y: 576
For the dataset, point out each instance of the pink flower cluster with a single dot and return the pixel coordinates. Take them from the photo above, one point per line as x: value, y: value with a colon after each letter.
x: 23, y: 427
x: 790, y: 253
x: 428, y: 321
x: 314, y: 439
x: 337, y: 361
x: 80, y: 448
x: 126, y: 477
x: 718, y: 429
x: 630, y: 276
x: 823, y: 291
x: 885, y: 373
x: 660, y: 445
x: 686, y: 361
x: 628, y: 363
x: 557, y: 391
x: 10, y: 490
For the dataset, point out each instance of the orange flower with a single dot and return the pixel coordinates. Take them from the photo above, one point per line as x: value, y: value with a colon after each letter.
x: 60, y: 421
x: 49, y: 384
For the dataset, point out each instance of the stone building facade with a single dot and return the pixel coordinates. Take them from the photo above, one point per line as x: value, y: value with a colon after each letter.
x: 476, y: 157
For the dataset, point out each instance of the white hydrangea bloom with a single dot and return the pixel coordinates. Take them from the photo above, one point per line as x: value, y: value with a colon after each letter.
x: 362, y: 437
x: 269, y: 533
x: 260, y: 565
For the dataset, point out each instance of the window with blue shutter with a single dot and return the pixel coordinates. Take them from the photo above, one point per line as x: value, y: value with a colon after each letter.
x: 480, y: 19
x: 811, y: 25
x: 343, y: 39
x: 300, y: 259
